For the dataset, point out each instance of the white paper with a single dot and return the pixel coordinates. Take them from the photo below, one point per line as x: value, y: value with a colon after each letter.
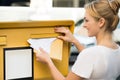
x: 44, y: 43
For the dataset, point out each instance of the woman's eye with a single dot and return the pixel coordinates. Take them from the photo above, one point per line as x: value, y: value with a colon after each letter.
x: 85, y: 20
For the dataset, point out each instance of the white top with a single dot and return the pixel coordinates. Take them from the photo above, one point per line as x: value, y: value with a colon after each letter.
x: 98, y: 63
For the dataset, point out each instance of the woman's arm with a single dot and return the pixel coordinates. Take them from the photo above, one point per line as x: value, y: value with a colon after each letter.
x: 78, y: 45
x: 43, y: 57
x: 68, y: 36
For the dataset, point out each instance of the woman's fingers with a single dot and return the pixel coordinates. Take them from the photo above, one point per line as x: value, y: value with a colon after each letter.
x: 60, y: 29
x: 42, y: 56
x: 68, y: 36
x: 41, y: 50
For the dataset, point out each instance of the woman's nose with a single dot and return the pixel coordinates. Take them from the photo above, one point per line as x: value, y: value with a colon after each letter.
x: 84, y: 25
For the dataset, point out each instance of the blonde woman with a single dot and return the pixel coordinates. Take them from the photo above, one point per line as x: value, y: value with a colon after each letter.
x: 100, y: 62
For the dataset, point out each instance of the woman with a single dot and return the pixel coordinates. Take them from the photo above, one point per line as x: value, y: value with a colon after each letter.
x: 101, y: 62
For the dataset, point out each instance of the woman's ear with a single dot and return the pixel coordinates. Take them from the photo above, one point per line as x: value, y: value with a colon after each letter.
x: 101, y: 22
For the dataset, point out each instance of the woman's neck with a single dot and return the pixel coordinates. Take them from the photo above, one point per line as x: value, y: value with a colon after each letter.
x: 105, y: 39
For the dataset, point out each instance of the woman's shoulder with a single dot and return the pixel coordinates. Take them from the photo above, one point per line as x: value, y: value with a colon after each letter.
x: 90, y: 51
x: 100, y: 50
x: 89, y: 54
x: 93, y: 49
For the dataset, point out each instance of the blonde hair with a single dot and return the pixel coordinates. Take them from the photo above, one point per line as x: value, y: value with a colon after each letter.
x: 107, y: 9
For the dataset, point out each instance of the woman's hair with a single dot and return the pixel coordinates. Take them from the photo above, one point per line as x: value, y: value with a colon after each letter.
x: 107, y: 9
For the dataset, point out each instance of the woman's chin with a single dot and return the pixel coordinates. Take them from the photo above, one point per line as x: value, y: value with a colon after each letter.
x: 89, y: 35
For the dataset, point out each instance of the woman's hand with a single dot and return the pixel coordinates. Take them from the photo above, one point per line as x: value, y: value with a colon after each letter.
x: 42, y: 56
x: 67, y: 35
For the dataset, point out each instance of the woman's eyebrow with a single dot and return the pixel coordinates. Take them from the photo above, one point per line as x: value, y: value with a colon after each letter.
x: 84, y: 18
